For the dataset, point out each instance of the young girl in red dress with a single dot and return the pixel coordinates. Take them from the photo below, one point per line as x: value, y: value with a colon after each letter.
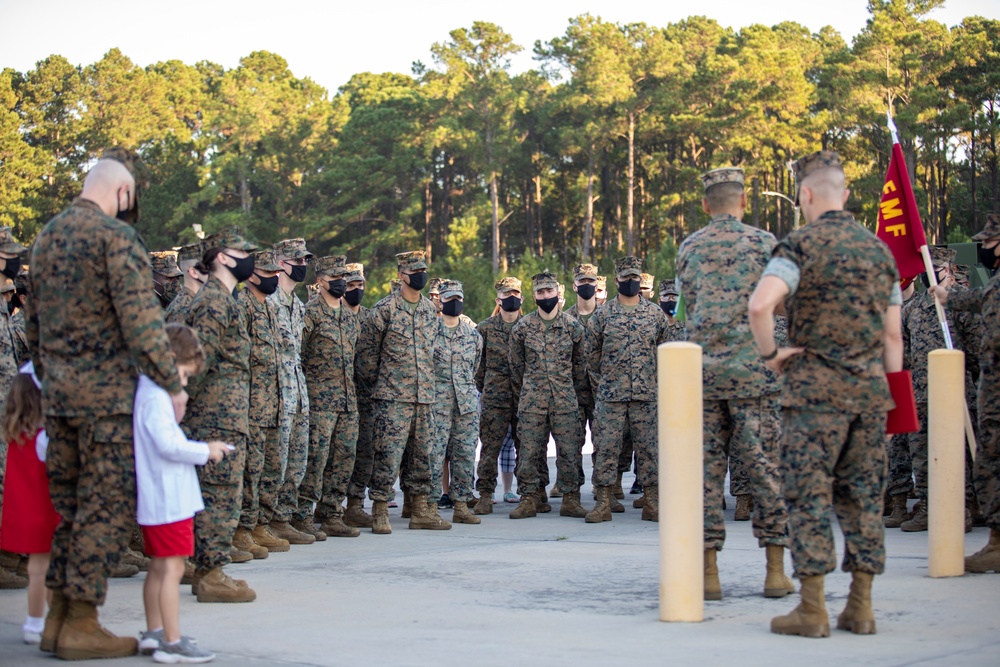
x: 29, y: 520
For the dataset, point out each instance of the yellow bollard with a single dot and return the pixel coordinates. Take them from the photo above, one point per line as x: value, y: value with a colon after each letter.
x: 946, y: 463
x: 682, y: 529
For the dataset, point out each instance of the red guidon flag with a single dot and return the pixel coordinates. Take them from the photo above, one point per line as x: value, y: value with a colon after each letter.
x: 899, y: 221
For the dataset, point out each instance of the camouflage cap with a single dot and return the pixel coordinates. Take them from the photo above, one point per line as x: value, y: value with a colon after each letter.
x: 434, y: 285
x: 355, y: 271
x: 646, y: 281
x: 133, y: 163
x: 628, y: 266
x: 584, y: 271
x: 668, y: 287
x: 7, y: 286
x: 544, y: 280
x: 292, y: 249
x: 334, y: 265
x: 602, y: 283
x: 411, y: 261
x: 961, y: 273
x: 942, y: 256
x: 21, y: 282
x: 165, y: 264
x: 723, y: 175
x: 507, y: 284
x: 990, y: 231
x: 810, y: 164
x: 190, y: 253
x: 451, y: 288
x: 263, y: 260
x: 230, y: 237
x: 7, y: 242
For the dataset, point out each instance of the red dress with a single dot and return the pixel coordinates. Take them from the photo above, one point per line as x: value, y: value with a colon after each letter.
x: 29, y: 519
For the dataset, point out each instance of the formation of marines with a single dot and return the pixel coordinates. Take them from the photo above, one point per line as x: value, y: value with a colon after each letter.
x: 326, y: 400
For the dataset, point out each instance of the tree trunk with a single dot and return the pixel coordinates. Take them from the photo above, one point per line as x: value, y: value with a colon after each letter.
x: 496, y: 222
x: 428, y: 212
x: 630, y: 194
x: 972, y: 175
x: 538, y: 209
x: 588, y: 223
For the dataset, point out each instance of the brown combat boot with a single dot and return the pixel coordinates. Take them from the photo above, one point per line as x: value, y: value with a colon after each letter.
x: 639, y: 502
x: 571, y: 506
x: 651, y: 506
x: 616, y: 489
x: 217, y: 586
x: 137, y: 558
x: 82, y: 637
x: 713, y: 587
x: 407, y: 511
x: 11, y: 581
x: 189, y: 570
x: 308, y: 527
x: 284, y: 530
x: 527, y: 508
x: 809, y: 619
x: 334, y: 526
x: 485, y: 504
x: 858, y: 616
x: 776, y: 584
x: 123, y: 571
x: 243, y: 540
x: 463, y: 514
x: 54, y: 621
x: 555, y: 492
x: 918, y: 522
x: 263, y: 536
x: 602, y: 510
x: 986, y: 559
x: 898, y: 514
x: 380, y: 517
x: 356, y: 516
x: 425, y: 516
x: 744, y: 507
x: 239, y: 555
x: 616, y: 507
x: 542, y: 505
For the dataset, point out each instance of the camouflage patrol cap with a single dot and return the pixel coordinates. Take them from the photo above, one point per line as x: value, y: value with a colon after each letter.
x: 230, y: 237
x: 507, y: 284
x: 355, y: 271
x: 602, y: 283
x: 668, y: 287
x: 7, y: 242
x: 190, y: 253
x: 292, y: 249
x: 646, y: 281
x: 263, y: 260
x: 434, y: 286
x: 8, y: 286
x: 810, y: 164
x: 165, y: 264
x: 411, y: 261
x: 544, y: 280
x: 450, y: 288
x: 584, y: 271
x: 334, y: 265
x: 990, y: 231
x: 723, y: 175
x: 628, y: 266
x: 941, y: 256
x: 133, y: 163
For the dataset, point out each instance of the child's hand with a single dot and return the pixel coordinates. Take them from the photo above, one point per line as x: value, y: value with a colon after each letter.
x: 217, y: 450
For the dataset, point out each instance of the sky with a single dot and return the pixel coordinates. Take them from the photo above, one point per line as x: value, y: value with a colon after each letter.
x: 330, y: 41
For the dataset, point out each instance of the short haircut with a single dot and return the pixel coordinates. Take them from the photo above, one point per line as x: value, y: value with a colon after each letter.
x: 724, y: 196
x: 185, y: 346
x: 828, y: 183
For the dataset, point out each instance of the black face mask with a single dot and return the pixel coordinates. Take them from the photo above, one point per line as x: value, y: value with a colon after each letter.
x: 12, y: 268
x: 16, y: 300
x: 336, y: 288
x: 629, y: 287
x: 243, y: 268
x: 267, y: 285
x: 548, y: 305
x: 353, y: 298
x: 452, y: 308
x: 11, y: 307
x: 987, y: 258
x: 511, y: 304
x: 131, y: 214
x: 669, y: 307
x: 417, y: 280
x: 298, y: 273
x: 586, y: 291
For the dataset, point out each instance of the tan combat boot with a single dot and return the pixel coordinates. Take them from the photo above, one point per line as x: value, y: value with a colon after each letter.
x: 217, y: 586
x: 309, y: 528
x: 918, y: 522
x: 334, y: 526
x: 651, y: 507
x: 137, y: 558
x: 602, y: 510
x: 11, y: 581
x: 986, y: 559
x: 243, y: 540
x: 54, y: 621
x: 858, y: 616
x: 284, y: 530
x: 616, y: 507
x: 356, y: 516
x: 898, y: 514
x: 239, y: 555
x: 713, y: 587
x: 123, y: 571
x: 809, y: 619
x: 82, y: 637
x: 571, y: 506
x: 542, y: 505
x: 776, y: 584
x: 407, y: 511
x: 463, y: 514
x: 639, y: 502
x: 189, y: 570
x: 425, y: 516
x: 380, y: 517
x: 485, y: 504
x: 555, y: 492
x: 617, y: 490
x: 526, y: 508
x: 744, y: 506
x: 263, y: 536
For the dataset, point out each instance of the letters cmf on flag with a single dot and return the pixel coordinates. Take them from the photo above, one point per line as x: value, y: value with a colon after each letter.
x: 898, y: 219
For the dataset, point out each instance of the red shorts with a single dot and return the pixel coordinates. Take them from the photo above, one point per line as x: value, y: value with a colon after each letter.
x: 169, y: 540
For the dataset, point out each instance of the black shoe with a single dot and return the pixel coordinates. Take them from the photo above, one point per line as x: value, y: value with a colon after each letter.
x: 636, y: 489
x: 445, y: 502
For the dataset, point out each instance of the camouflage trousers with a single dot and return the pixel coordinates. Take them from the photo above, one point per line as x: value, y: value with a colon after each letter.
x: 747, y: 429
x: 739, y: 478
x: 395, y: 424
x: 830, y: 457
x: 455, y: 440
x: 294, y: 432
x: 987, y: 469
x: 334, y: 437
x: 260, y: 483
x: 364, y: 453
x: 534, y: 430
x: 91, y: 468
x: 222, y: 493
x: 493, y: 424
x: 611, y: 421
x: 628, y: 452
x: 900, y: 470
x: 917, y: 446
x: 273, y: 475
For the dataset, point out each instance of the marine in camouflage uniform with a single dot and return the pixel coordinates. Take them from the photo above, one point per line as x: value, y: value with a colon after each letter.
x: 292, y: 256
x: 90, y: 280
x: 499, y: 409
x: 625, y: 334
x: 457, y: 354
x: 188, y: 258
x: 585, y: 286
x: 329, y: 342
x: 364, y: 459
x: 841, y: 294
x: 166, y: 276
x: 548, y: 370
x: 602, y: 290
x: 646, y: 283
x: 717, y: 268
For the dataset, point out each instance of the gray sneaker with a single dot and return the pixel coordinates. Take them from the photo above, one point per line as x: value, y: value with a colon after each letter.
x: 184, y: 652
x: 149, y: 641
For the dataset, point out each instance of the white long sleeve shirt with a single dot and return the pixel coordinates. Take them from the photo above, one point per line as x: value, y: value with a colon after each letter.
x: 166, y: 481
